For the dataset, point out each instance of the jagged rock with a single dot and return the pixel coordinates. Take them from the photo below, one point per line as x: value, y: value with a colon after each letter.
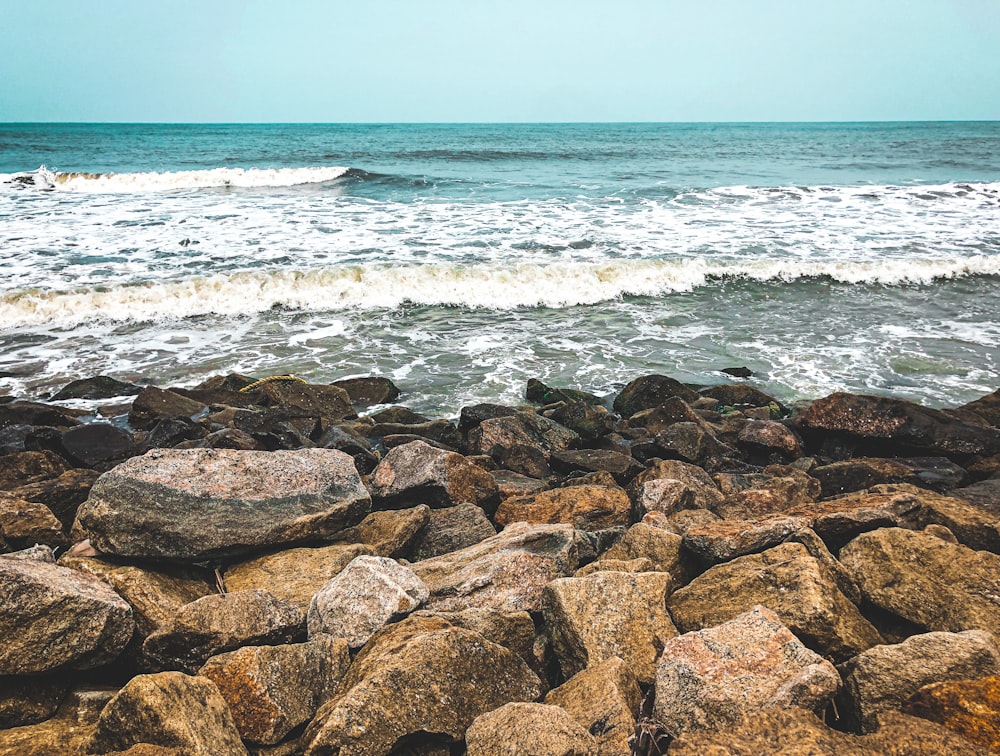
x: 664, y: 495
x: 271, y: 690
x: 97, y: 387
x: 343, y: 439
x: 438, y: 433
x: 506, y: 572
x: 713, y: 678
x: 520, y: 728
x: 27, y: 700
x: 680, y: 522
x: 25, y: 523
x: 538, y: 392
x: 724, y: 540
x: 604, y: 698
x: 55, y: 618
x: 512, y: 630
x: 706, y: 493
x: 986, y: 409
x: 154, y: 595
x: 662, y: 416
x: 471, y: 416
x: 780, y: 489
x: 970, y: 708
x: 789, y: 582
x: 741, y: 395
x: 217, y: 623
x: 970, y: 524
x: 662, y: 548
x: 304, y: 405
x: 650, y: 391
x: 641, y: 564
x: 511, y: 484
x: 38, y: 414
x: 766, y: 437
x: 622, y: 467
x: 818, y: 551
x: 63, y: 494
x: 21, y: 468
x: 416, y: 473
x: 591, y: 422
x: 932, y: 583
x: 168, y: 709
x: 884, y: 677
x: 294, y: 575
x: 58, y: 736
x: 985, y: 494
x: 451, y: 529
x: 367, y: 391
x: 171, y: 431
x: 691, y: 442
x: 383, y: 697
x: 526, y: 432
x: 896, y: 425
x: 860, y: 473
x: 97, y: 444
x: 593, y: 618
x: 198, y: 504
x: 367, y: 594
x: 389, y: 533
x: 154, y: 404
x: 585, y: 507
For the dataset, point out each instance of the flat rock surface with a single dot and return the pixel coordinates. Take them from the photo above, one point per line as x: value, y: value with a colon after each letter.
x: 520, y: 728
x: 451, y: 529
x: 970, y: 708
x: 586, y: 507
x: 197, y: 504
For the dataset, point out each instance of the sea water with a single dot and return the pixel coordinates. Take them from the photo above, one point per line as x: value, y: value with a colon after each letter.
x: 461, y: 260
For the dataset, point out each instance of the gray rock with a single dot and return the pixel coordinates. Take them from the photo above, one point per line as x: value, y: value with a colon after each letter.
x: 452, y: 529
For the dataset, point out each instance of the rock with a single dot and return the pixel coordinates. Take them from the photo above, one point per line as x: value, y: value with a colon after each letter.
x: 154, y: 404
x: 511, y: 484
x: 738, y: 372
x: 650, y: 391
x: 58, y: 736
x: 818, y: 551
x: 199, y: 504
x: 986, y: 409
x: 342, y: 439
x: 662, y: 548
x: 539, y: 393
x: 470, y: 417
x: 780, y: 489
x: 590, y: 422
x: 367, y: 594
x: 725, y: 540
x: 398, y: 415
x: 500, y: 436
x: 793, y: 731
x: 585, y: 507
x: 440, y: 434
x: 662, y: 416
x: 713, y: 678
x: 54, y: 618
x: 383, y: 697
x: 98, y: 444
x: 970, y: 708
x: 520, y: 728
x: 368, y: 391
x: 294, y: 575
x: 217, y: 623
x: 741, y: 395
x: 506, y: 572
x: 25, y: 523
x: 271, y: 690
x: 789, y: 582
x: 622, y: 467
x: 898, y: 426
x: 985, y: 494
x: 27, y: 700
x: 860, y: 473
x: 450, y: 530
x: 690, y: 442
x: 932, y: 583
x: 970, y: 524
x: 304, y: 404
x: 21, y: 468
x: 642, y: 564
x: 172, y: 431
x: 607, y: 614
x: 512, y: 630
x: 390, y: 533
x: 62, y: 495
x: 664, y: 495
x: 765, y: 438
x: 38, y: 414
x: 680, y: 522
x: 706, y: 493
x: 841, y: 518
x: 884, y: 677
x: 168, y: 709
x: 154, y: 595
x: 97, y: 387
x: 604, y: 699
x: 418, y: 473
x: 36, y: 553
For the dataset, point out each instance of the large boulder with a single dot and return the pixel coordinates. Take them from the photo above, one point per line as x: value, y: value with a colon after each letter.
x: 524, y: 438
x: 884, y: 677
x: 62, y: 494
x: 650, y: 391
x: 715, y: 677
x: 417, y: 676
x: 369, y: 390
x: 171, y: 710
x: 200, y: 504
x: 154, y: 404
x: 25, y: 523
x: 621, y: 466
x: 705, y: 493
x: 389, y: 533
x: 96, y: 387
x: 928, y: 581
x: 452, y: 529
x: 98, y: 444
x: 662, y: 548
x: 54, y: 618
x: 970, y: 708
x: 724, y: 540
x: 586, y: 507
x: 609, y: 614
x: 520, y: 728
x: 417, y: 473
x: 790, y: 582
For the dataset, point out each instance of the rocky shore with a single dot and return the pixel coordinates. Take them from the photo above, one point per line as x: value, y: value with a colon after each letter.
x: 275, y: 567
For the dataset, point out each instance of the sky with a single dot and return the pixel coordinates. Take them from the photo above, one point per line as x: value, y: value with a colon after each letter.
x: 498, y: 61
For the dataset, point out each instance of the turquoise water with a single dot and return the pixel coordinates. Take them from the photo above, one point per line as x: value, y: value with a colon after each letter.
x: 462, y: 259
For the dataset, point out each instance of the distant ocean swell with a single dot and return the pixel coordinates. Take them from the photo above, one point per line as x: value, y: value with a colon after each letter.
x: 484, y: 286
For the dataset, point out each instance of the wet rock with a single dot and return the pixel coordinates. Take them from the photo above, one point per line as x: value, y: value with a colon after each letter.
x: 741, y: 395
x: 97, y: 444
x: 198, y: 504
x: 271, y: 690
x: 860, y: 473
x: 168, y: 709
x: 25, y: 523
x: 520, y: 728
x: 539, y: 393
x: 499, y: 437
x: 622, y: 467
x: 506, y: 572
x: 21, y: 468
x: 217, y: 623
x: 389, y: 533
x: 738, y: 372
x: 779, y: 489
x: 470, y: 417
x: 97, y: 387
x: 706, y: 493
x: 63, y: 494
x: 55, y: 618
x: 383, y: 696
x: 690, y: 442
x: 437, y: 433
x: 650, y: 391
x: 585, y: 507
x: 660, y: 547
x: 766, y: 439
x: 659, y: 418
x: 604, y: 698
x: 342, y: 439
x: 451, y: 529
x: 724, y: 540
x: 664, y: 495
x: 293, y: 575
x: 417, y: 473
x: 789, y: 582
x: 715, y: 677
x: 970, y: 708
x: 304, y: 404
x: 155, y: 404
x: 368, y: 391
x: 884, y: 677
x: 590, y: 422
x: 932, y: 583
x: 367, y: 594
x: 172, y: 431
x: 607, y: 614
x: 37, y: 413
x: 985, y: 494
x: 27, y: 700
x: 986, y: 409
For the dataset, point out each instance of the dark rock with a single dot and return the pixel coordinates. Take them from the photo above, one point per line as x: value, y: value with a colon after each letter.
x: 770, y: 441
x: 690, y: 442
x: 25, y: 523
x: 706, y: 493
x: 98, y: 387
x: 304, y: 403
x: 170, y: 431
x: 590, y: 422
x: 539, y: 393
x: 403, y: 415
x: 98, y: 443
x: 738, y: 372
x: 985, y: 495
x: 650, y: 391
x: 36, y: 413
x: 623, y: 468
x: 741, y: 395
x: 857, y: 474
x: 437, y: 431
x: 451, y: 529
x: 27, y: 700
x: 340, y: 438
x: 155, y: 404
x: 63, y: 494
x: 659, y: 418
x: 367, y: 391
x: 986, y: 408
x: 499, y: 436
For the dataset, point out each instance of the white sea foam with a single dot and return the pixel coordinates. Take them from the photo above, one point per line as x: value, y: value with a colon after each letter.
x: 485, y: 286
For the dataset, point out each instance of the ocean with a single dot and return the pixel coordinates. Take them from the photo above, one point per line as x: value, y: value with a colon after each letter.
x: 461, y: 260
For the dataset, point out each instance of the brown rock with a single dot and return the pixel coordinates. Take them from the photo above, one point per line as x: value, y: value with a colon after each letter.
x: 59, y: 736
x: 741, y: 395
x: 591, y: 422
x: 662, y: 548
x: 38, y: 413
x: 368, y: 391
x: 510, y: 484
x: 664, y: 495
x: 154, y: 404
x: 498, y: 436
x: 970, y: 708
x: 512, y: 630
x: 27, y: 700
x: 168, y: 709
x: 585, y: 507
x: 520, y: 728
x: 766, y: 437
x: 642, y: 564
x: 864, y: 472
x: 22, y: 468
x: 985, y: 494
x: 451, y: 529
x: 818, y: 551
x: 840, y: 519
x: 650, y: 391
x: 98, y: 444
x: 780, y: 490
x: 96, y: 387
x: 390, y: 533
x: 25, y: 523
x: 706, y: 494
x: 661, y: 417
x: 724, y: 540
x: 621, y: 466
x: 62, y: 495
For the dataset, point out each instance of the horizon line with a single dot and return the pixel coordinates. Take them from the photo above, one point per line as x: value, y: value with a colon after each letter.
x: 492, y: 123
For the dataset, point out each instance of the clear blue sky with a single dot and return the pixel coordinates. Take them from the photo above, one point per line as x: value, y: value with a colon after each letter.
x: 498, y: 60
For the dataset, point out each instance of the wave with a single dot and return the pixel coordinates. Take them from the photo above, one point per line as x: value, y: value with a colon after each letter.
x: 483, y: 286
x: 152, y: 181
